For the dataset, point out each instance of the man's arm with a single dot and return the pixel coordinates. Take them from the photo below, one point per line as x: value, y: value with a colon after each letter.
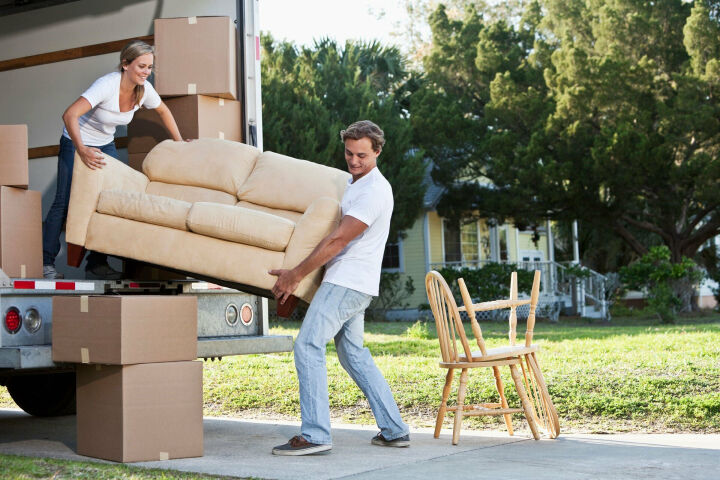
x: 288, y: 280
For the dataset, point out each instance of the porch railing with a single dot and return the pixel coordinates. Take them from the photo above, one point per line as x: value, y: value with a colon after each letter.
x: 586, y: 292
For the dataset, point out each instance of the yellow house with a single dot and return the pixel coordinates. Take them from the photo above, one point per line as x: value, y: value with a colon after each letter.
x: 434, y: 242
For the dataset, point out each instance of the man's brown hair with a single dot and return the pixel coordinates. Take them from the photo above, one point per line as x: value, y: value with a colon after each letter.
x: 363, y: 129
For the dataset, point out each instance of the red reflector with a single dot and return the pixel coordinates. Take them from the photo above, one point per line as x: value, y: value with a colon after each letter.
x: 12, y: 320
x: 64, y: 285
x: 134, y: 285
x: 24, y: 284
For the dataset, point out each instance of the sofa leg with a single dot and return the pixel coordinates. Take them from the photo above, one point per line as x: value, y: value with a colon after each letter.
x: 75, y: 255
x: 284, y: 310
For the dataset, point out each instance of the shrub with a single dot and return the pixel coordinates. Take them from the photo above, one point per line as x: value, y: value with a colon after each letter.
x: 669, y: 286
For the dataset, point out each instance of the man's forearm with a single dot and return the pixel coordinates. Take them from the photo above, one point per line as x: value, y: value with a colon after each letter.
x: 321, y: 254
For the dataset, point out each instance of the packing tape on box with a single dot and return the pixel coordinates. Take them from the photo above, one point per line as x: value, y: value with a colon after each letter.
x: 84, y: 355
x: 221, y: 135
x: 23, y: 271
x: 221, y: 101
x: 192, y: 88
x: 192, y: 20
x: 164, y: 456
x: 84, y: 303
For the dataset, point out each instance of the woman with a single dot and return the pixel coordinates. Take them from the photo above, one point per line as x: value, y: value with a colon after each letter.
x: 90, y: 124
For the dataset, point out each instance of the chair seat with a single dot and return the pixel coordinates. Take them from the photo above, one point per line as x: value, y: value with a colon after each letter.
x: 500, y: 352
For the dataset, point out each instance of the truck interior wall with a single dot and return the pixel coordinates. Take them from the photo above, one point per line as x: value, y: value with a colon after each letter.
x: 37, y: 96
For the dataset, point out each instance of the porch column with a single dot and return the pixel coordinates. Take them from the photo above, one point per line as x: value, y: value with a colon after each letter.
x: 426, y: 242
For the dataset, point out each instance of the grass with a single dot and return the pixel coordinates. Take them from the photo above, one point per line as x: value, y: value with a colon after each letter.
x: 26, y: 468
x: 633, y: 374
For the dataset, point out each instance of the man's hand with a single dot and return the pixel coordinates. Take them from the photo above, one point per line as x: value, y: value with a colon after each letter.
x: 286, y: 284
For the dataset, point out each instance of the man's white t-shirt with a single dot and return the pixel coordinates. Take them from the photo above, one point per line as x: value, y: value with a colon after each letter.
x: 97, y: 127
x: 358, y: 265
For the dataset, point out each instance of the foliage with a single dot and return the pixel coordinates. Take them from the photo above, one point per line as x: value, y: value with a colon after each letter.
x: 490, y: 282
x: 310, y: 94
x: 606, y: 111
x: 393, y: 293
x: 419, y: 331
x: 664, y: 281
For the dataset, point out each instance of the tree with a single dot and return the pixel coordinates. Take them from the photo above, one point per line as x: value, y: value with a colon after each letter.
x: 600, y: 110
x: 310, y: 94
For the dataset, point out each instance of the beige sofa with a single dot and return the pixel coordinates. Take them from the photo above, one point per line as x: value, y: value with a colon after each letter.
x: 216, y: 209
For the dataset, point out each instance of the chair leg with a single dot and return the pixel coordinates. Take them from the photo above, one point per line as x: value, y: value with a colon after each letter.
x: 443, y: 403
x: 527, y: 406
x: 75, y: 255
x: 503, y: 400
x: 553, y: 420
x: 460, y: 404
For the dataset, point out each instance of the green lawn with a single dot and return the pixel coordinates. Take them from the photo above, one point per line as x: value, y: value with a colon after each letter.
x: 26, y: 468
x: 630, y: 375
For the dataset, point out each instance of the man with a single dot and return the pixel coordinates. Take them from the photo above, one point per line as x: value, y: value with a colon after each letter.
x: 353, y: 257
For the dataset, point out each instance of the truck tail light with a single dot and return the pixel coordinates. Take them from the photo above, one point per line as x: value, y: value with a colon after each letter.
x: 32, y: 320
x: 13, y: 321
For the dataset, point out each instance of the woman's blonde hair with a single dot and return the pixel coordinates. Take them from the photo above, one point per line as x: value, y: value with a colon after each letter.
x: 131, y: 51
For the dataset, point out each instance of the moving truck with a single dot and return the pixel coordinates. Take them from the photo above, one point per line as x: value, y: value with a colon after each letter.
x: 50, y: 52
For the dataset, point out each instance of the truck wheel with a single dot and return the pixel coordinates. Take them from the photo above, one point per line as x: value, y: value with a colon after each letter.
x: 44, y: 395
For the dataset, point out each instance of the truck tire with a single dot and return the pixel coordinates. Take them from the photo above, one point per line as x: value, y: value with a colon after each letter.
x: 45, y: 394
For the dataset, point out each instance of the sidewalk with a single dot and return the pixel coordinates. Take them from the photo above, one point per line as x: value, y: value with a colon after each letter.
x: 242, y: 448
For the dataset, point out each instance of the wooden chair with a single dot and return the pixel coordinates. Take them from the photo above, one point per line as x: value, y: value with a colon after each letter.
x: 543, y: 410
x: 450, y: 332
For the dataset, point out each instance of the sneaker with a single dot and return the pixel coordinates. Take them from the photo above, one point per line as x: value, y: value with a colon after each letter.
x: 297, y: 445
x: 403, y: 441
x: 50, y: 273
x: 103, y: 271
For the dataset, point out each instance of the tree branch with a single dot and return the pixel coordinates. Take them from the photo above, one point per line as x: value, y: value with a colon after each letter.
x: 629, y: 238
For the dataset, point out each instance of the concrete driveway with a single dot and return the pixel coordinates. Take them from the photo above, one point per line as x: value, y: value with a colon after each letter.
x: 242, y: 448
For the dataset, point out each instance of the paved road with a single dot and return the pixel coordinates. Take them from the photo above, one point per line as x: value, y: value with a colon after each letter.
x: 242, y: 448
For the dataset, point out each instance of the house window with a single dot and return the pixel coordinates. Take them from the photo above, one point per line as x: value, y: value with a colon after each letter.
x: 392, y: 258
x: 460, y: 242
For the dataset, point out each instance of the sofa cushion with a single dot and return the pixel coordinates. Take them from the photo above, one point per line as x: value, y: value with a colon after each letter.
x: 189, y: 194
x: 208, y: 162
x: 291, y: 184
x: 241, y: 225
x: 289, y: 214
x: 163, y: 211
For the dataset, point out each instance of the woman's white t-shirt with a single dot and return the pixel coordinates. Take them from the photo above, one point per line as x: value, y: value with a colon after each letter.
x: 97, y: 127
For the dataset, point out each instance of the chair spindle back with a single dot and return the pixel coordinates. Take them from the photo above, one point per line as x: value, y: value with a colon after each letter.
x: 447, y: 318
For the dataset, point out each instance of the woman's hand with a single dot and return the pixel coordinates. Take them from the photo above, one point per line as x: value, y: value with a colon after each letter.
x: 92, y: 157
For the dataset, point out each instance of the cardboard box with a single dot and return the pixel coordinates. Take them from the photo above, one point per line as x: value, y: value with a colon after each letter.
x: 124, y: 329
x: 21, y: 232
x: 138, y: 413
x: 196, y: 55
x: 14, y: 155
x: 197, y: 116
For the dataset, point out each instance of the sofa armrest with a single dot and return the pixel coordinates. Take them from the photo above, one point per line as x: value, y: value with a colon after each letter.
x: 86, y: 187
x: 321, y: 218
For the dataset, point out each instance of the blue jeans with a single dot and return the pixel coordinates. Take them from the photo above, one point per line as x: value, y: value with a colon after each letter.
x: 56, y: 216
x: 338, y: 312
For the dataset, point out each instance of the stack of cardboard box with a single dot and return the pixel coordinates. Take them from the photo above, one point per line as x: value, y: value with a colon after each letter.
x: 196, y: 75
x: 20, y: 208
x: 139, y: 390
